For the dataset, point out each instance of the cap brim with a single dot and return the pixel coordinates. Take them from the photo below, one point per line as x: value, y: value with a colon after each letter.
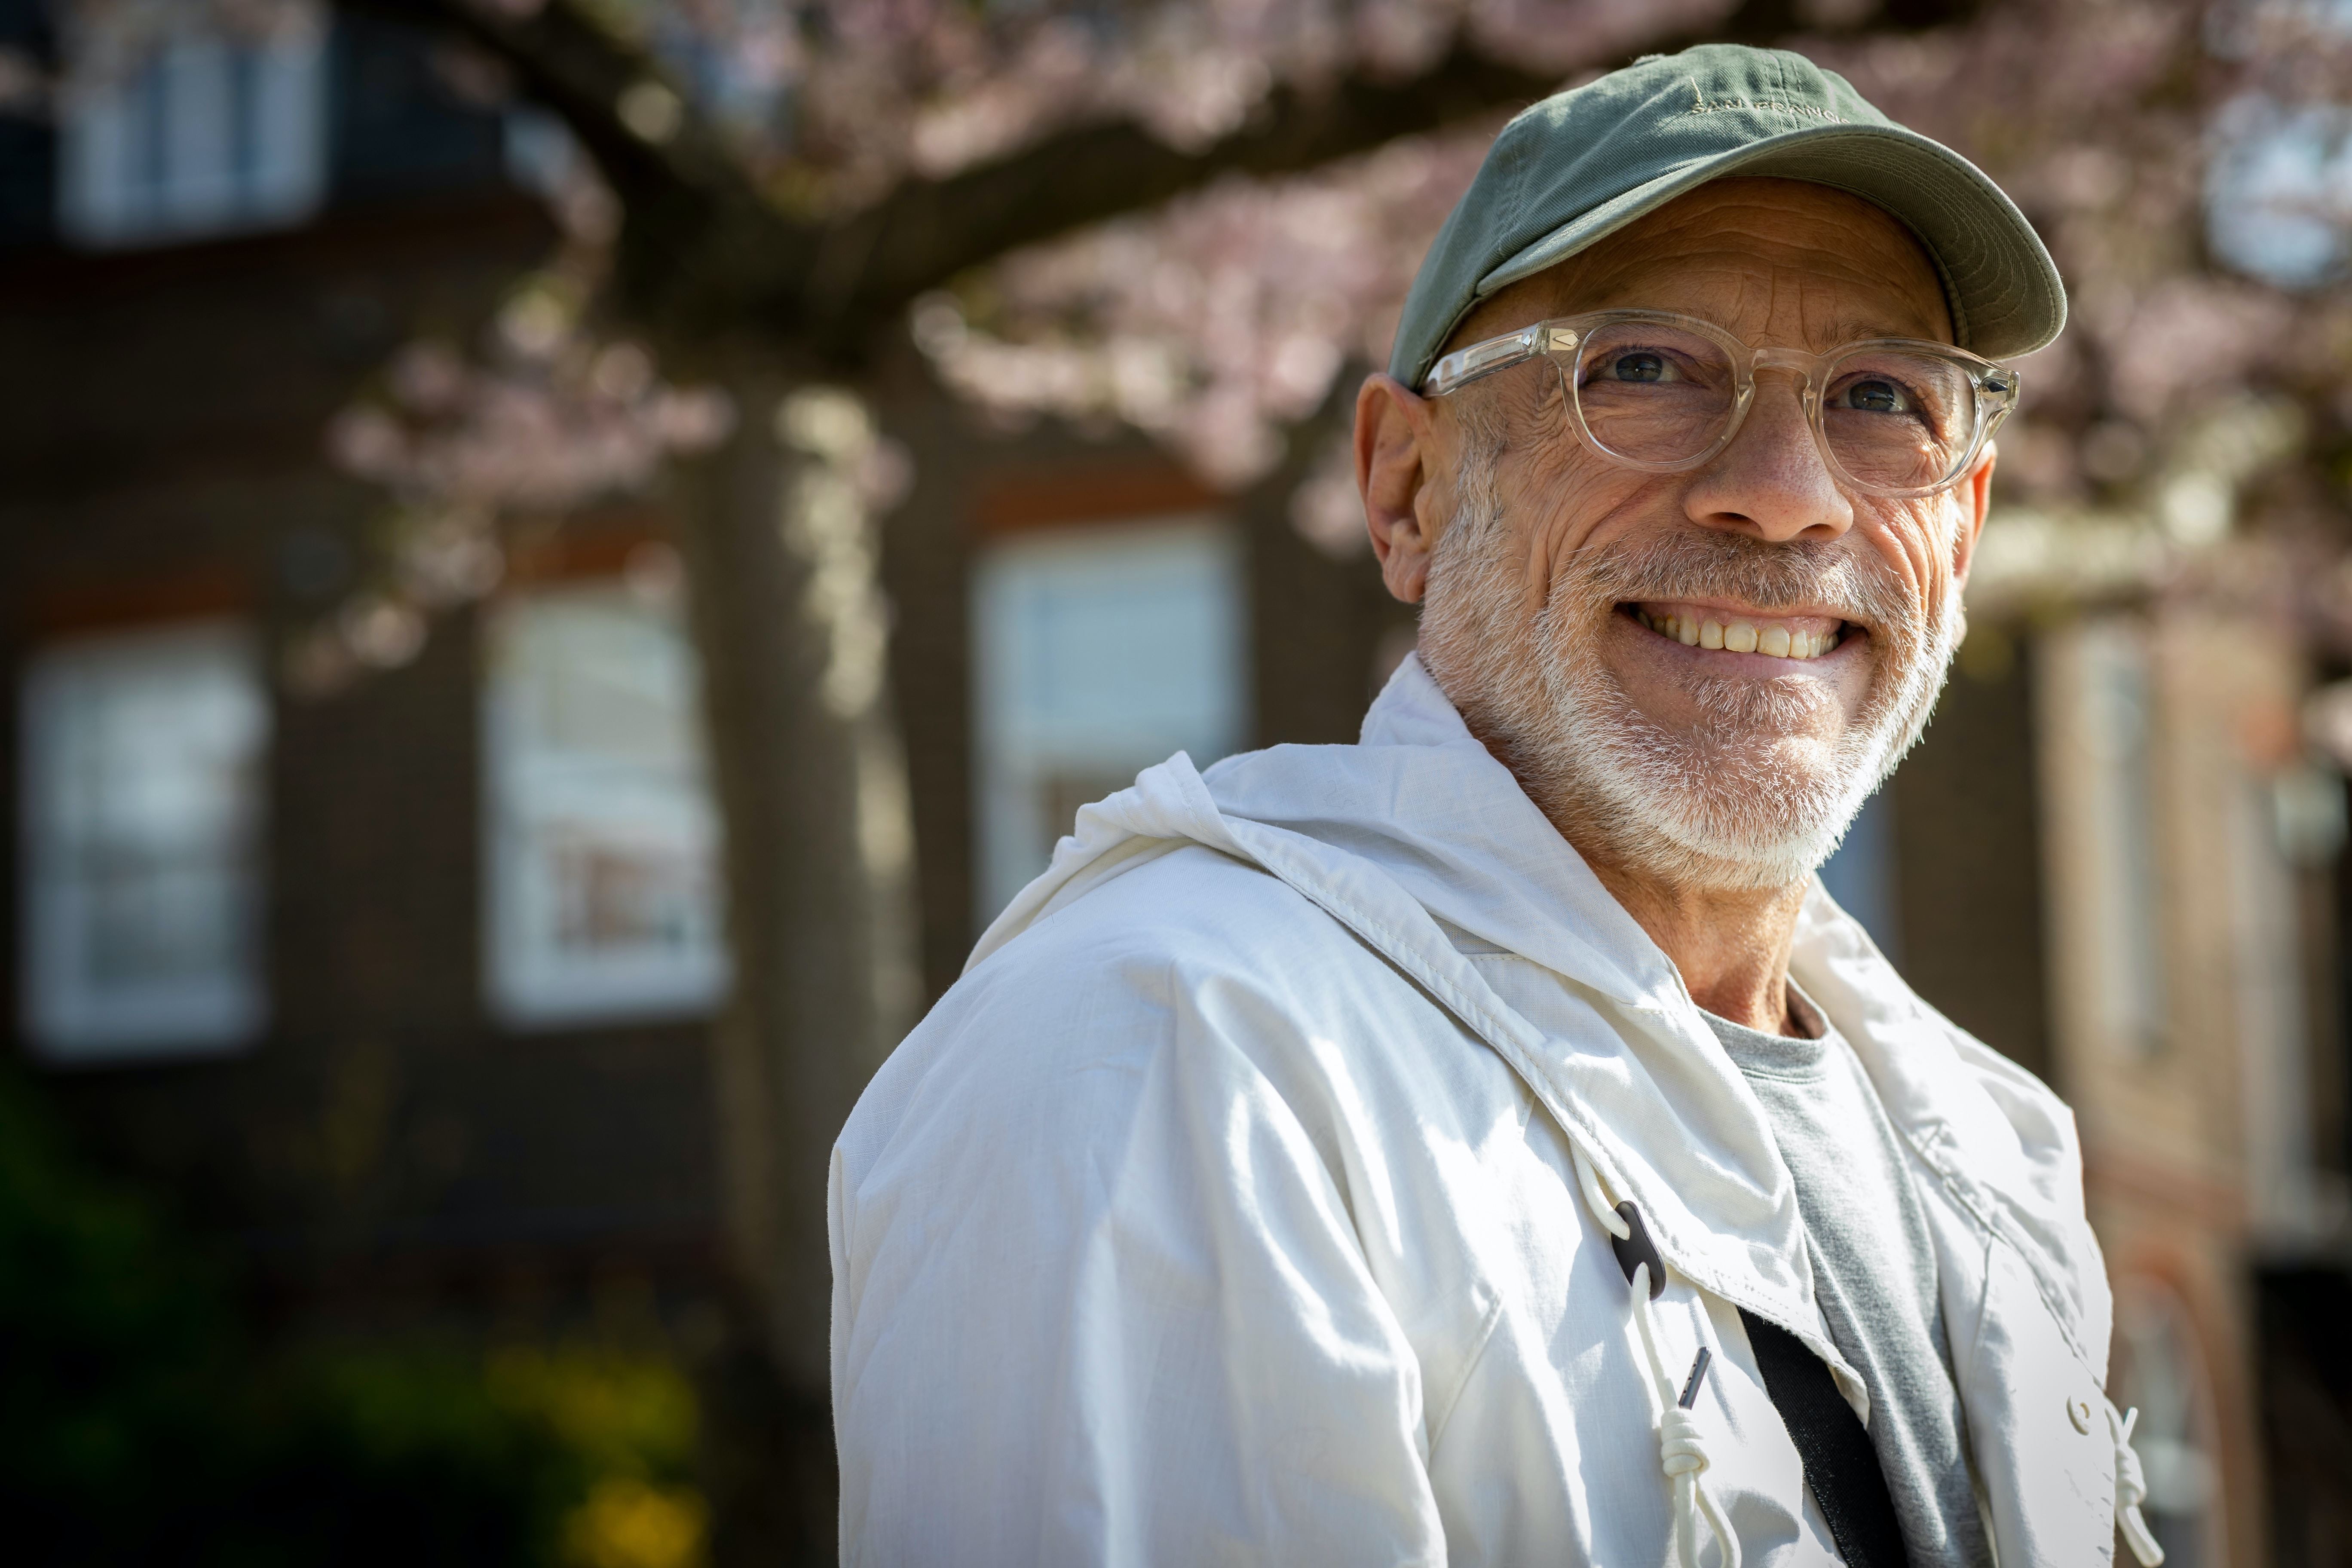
x: 2004, y: 291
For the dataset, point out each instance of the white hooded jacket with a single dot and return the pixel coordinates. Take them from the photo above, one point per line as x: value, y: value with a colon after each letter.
x: 1245, y: 1200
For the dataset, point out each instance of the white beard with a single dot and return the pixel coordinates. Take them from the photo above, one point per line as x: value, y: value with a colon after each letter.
x: 1753, y: 798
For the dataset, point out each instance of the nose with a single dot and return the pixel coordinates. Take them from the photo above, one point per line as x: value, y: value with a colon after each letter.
x: 1771, y: 482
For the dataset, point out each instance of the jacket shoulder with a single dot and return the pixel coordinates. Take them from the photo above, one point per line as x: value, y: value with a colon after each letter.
x: 2042, y: 1122
x: 1191, y: 905
x: 1060, y: 1030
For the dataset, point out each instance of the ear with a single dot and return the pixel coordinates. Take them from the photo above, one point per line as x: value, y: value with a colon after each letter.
x: 1975, y: 493
x: 1396, y: 454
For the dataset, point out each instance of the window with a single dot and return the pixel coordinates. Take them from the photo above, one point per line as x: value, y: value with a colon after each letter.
x: 141, y: 794
x: 603, y: 895
x: 171, y: 126
x: 2158, y: 1371
x: 1098, y: 652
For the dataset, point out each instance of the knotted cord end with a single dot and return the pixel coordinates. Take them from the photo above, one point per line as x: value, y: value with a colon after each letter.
x: 1682, y: 1450
x: 2131, y: 1490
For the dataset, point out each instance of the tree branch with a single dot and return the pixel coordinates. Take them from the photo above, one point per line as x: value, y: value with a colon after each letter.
x: 703, y: 252
x: 870, y: 265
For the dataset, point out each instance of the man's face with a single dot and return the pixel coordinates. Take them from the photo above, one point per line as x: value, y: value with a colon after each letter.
x: 1560, y: 580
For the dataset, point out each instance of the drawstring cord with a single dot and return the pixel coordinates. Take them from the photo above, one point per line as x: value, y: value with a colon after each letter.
x: 1682, y: 1448
x: 1597, y: 1201
x: 2131, y: 1489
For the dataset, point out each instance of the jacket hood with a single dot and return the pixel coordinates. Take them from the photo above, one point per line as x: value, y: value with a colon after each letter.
x: 1424, y: 847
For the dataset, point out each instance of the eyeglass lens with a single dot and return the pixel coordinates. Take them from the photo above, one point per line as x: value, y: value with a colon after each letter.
x: 1655, y: 395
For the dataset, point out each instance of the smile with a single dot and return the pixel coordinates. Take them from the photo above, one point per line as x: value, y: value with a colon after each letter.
x: 1736, y: 631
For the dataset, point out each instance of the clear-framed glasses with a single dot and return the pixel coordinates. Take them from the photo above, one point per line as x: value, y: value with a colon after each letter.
x: 1664, y: 393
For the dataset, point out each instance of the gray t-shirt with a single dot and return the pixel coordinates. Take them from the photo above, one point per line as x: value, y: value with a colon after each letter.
x: 1874, y: 1272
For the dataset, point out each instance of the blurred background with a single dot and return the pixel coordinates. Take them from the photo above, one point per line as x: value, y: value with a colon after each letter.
x: 559, y: 559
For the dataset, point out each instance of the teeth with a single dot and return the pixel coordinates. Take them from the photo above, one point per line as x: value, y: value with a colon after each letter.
x: 1739, y: 636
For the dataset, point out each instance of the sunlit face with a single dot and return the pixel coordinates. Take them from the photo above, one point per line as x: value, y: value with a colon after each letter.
x: 1701, y: 674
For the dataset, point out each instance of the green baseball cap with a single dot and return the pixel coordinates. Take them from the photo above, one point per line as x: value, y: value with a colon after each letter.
x: 1584, y: 164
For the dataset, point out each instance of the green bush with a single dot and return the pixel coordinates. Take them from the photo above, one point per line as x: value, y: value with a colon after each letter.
x: 138, y: 1422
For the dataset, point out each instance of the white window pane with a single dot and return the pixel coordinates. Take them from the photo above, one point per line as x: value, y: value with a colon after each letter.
x: 97, y: 180
x: 198, y: 188
x: 602, y: 856
x: 2118, y: 742
x: 142, y: 808
x: 1097, y: 652
x: 283, y: 150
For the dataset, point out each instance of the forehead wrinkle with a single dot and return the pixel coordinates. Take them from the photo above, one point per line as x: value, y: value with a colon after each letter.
x: 1833, y: 315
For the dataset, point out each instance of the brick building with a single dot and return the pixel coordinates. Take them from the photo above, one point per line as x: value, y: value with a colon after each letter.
x: 253, y: 946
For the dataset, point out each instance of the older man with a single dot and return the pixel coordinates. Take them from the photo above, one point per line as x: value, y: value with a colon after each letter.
x: 1487, y: 1142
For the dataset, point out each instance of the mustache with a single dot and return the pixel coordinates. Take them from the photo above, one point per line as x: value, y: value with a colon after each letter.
x: 1704, y: 564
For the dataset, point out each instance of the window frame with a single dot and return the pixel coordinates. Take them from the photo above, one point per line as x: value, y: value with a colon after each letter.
x: 197, y: 134
x: 220, y: 1015
x: 526, y: 985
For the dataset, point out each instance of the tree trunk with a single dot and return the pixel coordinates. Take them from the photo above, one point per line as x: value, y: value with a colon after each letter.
x: 782, y: 554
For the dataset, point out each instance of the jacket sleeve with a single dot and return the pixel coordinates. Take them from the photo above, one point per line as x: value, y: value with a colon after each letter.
x: 1098, y: 1297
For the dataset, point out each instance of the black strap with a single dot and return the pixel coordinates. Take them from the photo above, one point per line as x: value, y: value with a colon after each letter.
x: 1840, y: 1464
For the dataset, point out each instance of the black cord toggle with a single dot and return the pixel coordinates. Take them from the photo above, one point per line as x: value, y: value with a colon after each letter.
x: 1637, y: 1249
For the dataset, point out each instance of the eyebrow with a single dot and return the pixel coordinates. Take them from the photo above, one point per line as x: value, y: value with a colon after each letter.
x: 1855, y: 328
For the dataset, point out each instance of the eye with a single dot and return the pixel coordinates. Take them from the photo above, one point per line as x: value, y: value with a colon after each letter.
x: 1641, y: 365
x: 1873, y: 395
